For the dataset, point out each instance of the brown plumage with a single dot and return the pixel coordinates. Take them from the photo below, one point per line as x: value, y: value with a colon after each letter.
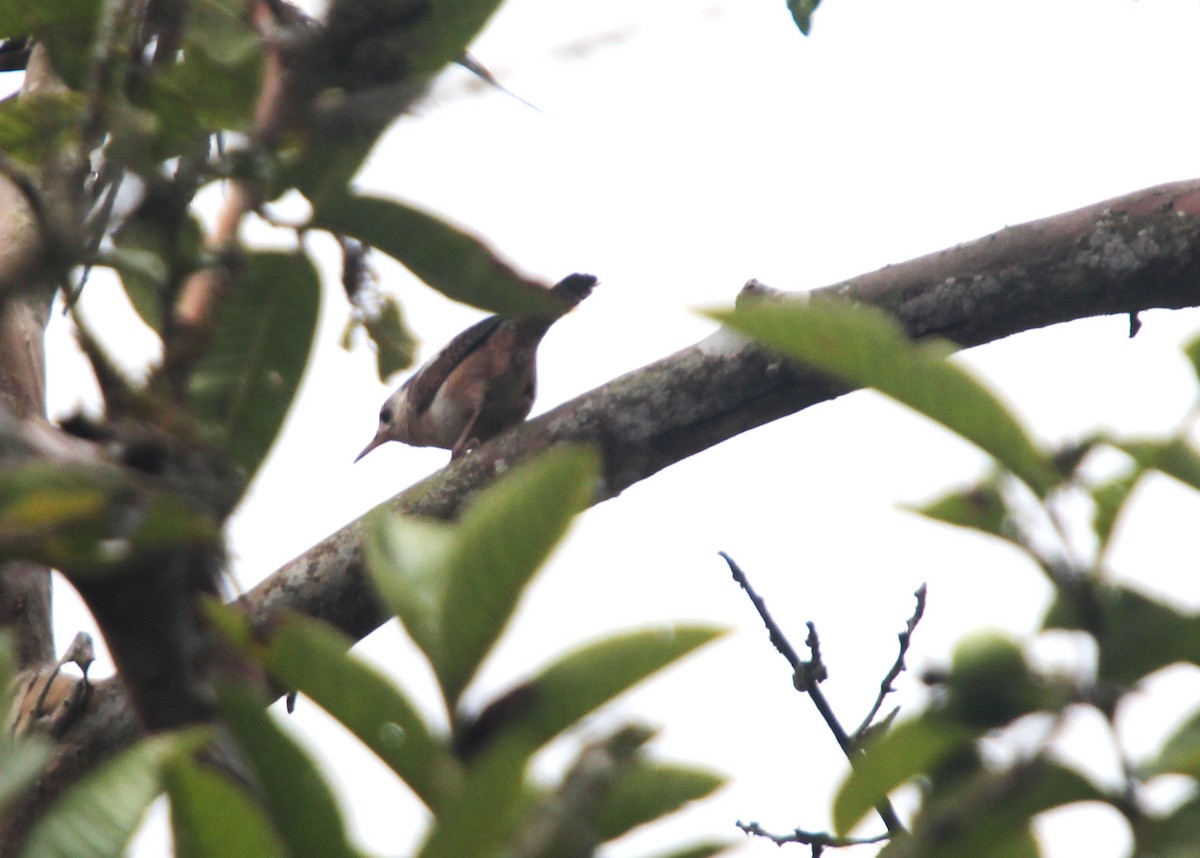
x: 480, y: 384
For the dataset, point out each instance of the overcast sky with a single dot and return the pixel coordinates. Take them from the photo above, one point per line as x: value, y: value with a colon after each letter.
x: 679, y: 149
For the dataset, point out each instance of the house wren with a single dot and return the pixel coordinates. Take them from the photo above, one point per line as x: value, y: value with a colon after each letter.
x: 480, y: 384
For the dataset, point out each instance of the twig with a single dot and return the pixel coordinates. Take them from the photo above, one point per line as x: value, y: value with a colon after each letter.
x: 898, y: 667
x: 818, y: 840
x: 805, y: 677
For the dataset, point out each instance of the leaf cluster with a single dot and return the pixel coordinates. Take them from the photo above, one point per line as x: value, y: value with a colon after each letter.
x: 454, y: 588
x: 970, y: 805
x: 167, y: 105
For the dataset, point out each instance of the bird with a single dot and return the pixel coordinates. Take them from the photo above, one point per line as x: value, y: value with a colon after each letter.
x: 483, y: 381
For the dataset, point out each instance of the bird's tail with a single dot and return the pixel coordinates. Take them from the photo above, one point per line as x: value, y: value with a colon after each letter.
x: 574, y: 288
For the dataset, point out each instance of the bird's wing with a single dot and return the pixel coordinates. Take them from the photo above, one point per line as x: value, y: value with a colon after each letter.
x: 423, y: 386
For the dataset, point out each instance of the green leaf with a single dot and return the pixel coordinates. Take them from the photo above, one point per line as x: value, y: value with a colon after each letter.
x: 199, y: 96
x: 58, y: 515
x: 458, y: 265
x: 297, y: 798
x: 155, y: 249
x: 455, y: 587
x: 990, y: 815
x: 909, y: 749
x: 395, y: 346
x: 1136, y: 635
x: 647, y: 791
x: 312, y: 657
x: 96, y: 817
x: 418, y: 38
x: 1173, y: 457
x: 698, y: 850
x: 220, y: 29
x: 1171, y: 836
x: 562, y: 823
x: 579, y: 683
x: 990, y: 683
x: 863, y: 346
x: 65, y: 27
x: 483, y: 813
x: 1180, y: 754
x: 802, y: 13
x: 1109, y: 498
x: 31, y: 127
x: 505, y: 536
x: 1192, y: 351
x: 245, y: 383
x: 21, y: 762
x: 979, y: 507
x: 212, y: 817
x: 408, y: 560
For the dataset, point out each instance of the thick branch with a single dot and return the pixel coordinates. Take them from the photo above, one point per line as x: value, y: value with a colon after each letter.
x: 25, y: 300
x: 1134, y: 253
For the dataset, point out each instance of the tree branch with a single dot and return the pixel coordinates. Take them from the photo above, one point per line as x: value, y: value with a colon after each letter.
x: 1134, y: 253
x: 25, y: 301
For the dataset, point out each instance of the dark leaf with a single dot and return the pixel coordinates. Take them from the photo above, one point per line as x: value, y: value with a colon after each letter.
x: 909, y: 749
x: 802, y: 13
x: 32, y: 127
x: 198, y: 97
x: 1173, y: 457
x: 418, y: 38
x: 699, y: 850
x: 990, y: 816
x: 395, y: 346
x: 154, y: 250
x: 309, y: 656
x: 1172, y: 836
x: 1136, y: 635
x: 484, y: 812
x: 21, y: 762
x: 96, y: 817
x: 647, y: 791
x: 455, y: 587
x: 1192, y: 350
x: 980, y: 507
x: 65, y: 27
x: 299, y: 802
x: 1181, y: 753
x: 1109, y: 498
x: 579, y: 683
x: 212, y: 817
x: 458, y: 265
x: 863, y: 346
x: 245, y: 383
x: 58, y: 515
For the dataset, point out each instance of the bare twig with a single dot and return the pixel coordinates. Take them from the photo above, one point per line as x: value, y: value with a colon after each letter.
x: 805, y: 676
x: 885, y: 687
x: 818, y: 840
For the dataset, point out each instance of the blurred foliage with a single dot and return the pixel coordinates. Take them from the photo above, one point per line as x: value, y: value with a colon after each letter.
x: 160, y: 127
x: 802, y: 11
x: 166, y: 103
x: 172, y: 127
x: 472, y: 772
x: 991, y: 690
x: 454, y: 592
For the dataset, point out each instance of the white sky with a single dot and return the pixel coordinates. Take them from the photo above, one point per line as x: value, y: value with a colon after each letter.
x: 681, y: 149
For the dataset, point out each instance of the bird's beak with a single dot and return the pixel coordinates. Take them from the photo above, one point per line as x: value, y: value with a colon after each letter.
x: 375, y: 442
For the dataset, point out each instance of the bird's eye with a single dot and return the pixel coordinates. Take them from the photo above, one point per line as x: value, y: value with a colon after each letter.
x: 385, y: 416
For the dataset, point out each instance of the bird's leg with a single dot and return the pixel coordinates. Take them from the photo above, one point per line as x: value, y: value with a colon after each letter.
x: 465, y: 440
